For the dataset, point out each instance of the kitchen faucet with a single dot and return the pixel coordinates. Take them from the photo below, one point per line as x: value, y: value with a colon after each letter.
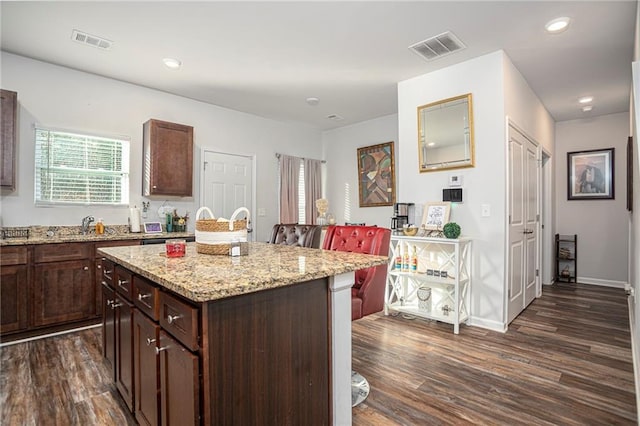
x: 86, y: 221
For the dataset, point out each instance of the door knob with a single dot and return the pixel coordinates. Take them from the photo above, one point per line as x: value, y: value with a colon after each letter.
x: 528, y: 231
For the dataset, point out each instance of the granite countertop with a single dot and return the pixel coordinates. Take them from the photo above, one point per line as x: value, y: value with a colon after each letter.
x: 203, y: 277
x: 72, y: 234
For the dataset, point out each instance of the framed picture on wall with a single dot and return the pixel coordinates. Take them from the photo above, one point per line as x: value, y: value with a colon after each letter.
x: 376, y: 175
x: 591, y: 175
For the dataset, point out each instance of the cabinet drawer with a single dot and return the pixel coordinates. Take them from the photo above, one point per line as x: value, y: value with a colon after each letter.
x: 179, y: 319
x: 61, y: 252
x: 13, y: 256
x: 102, y: 244
x: 146, y: 297
x: 122, y: 282
x: 108, y: 272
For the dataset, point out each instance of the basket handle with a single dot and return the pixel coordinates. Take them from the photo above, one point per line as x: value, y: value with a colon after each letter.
x: 236, y: 213
x: 204, y: 209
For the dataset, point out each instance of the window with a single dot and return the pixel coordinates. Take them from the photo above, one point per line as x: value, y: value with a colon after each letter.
x: 73, y: 168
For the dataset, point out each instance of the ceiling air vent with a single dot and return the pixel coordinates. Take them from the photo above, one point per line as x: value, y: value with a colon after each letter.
x: 91, y: 40
x: 334, y: 117
x: 438, y: 46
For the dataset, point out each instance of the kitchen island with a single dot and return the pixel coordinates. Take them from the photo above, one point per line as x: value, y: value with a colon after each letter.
x: 257, y: 339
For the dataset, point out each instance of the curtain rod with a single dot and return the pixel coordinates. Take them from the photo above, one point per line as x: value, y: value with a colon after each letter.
x: 302, y: 158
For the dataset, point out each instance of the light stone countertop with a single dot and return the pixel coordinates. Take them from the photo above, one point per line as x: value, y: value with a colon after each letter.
x: 72, y: 234
x: 204, y: 277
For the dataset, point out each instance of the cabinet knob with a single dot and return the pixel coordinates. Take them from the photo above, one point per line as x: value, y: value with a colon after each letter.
x: 158, y: 350
x: 99, y: 266
x: 86, y: 268
x: 155, y: 187
x: 143, y: 296
x: 150, y: 341
x: 171, y: 319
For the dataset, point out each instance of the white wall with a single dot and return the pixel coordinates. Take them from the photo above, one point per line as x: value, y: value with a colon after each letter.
x: 340, y: 147
x: 498, y: 91
x: 63, y: 98
x: 602, y: 225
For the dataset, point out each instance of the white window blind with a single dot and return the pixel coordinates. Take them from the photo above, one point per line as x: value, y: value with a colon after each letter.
x: 74, y: 168
x: 301, y: 195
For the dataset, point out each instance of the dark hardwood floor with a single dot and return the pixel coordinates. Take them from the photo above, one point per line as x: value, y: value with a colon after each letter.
x: 566, y: 360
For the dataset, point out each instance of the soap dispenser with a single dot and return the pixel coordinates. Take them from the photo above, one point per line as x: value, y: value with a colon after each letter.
x: 99, y: 227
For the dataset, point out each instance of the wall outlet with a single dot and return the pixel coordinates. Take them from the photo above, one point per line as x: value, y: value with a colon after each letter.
x: 486, y: 210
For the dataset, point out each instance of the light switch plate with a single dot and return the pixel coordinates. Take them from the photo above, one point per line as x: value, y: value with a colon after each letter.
x: 486, y: 210
x: 262, y: 211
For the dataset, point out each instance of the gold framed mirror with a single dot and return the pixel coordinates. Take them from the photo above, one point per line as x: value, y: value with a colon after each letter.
x: 445, y: 134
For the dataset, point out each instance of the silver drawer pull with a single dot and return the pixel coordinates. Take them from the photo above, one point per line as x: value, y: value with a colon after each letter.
x: 158, y: 350
x: 143, y: 296
x: 171, y: 319
x: 108, y: 271
x: 116, y: 305
x: 150, y: 341
x: 110, y: 303
x: 121, y: 283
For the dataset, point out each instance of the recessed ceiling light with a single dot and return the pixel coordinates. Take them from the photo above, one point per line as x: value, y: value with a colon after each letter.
x: 585, y: 99
x: 587, y: 108
x: 557, y: 25
x: 172, y: 63
x: 313, y: 101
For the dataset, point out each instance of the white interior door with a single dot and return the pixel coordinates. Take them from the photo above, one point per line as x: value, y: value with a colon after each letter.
x: 524, y: 181
x: 228, y: 181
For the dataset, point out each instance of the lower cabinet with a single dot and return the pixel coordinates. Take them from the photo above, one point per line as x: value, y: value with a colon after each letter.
x: 109, y: 326
x: 62, y: 292
x: 124, y: 349
x: 13, y: 298
x: 179, y: 383
x: 146, y: 369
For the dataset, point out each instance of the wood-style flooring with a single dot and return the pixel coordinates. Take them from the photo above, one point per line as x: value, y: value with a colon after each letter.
x: 566, y: 360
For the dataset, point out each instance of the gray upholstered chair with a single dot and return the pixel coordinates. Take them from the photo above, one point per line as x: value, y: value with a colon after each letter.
x: 293, y: 234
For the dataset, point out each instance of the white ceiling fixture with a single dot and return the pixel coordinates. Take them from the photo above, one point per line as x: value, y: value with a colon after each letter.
x: 334, y: 117
x: 587, y: 108
x: 558, y: 25
x: 172, y: 63
x: 91, y: 40
x: 585, y: 99
x: 438, y: 46
x: 313, y: 101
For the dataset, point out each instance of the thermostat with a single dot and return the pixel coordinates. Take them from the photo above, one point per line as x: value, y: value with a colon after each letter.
x: 455, y: 180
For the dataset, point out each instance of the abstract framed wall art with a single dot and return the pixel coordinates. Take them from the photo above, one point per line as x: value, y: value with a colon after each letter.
x: 590, y: 175
x: 376, y: 175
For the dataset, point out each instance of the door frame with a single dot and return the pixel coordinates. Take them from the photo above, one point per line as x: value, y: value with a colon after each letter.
x: 546, y: 198
x: 252, y: 157
x: 509, y: 123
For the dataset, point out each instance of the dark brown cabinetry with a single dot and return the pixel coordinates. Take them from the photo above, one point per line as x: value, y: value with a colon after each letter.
x: 8, y: 131
x: 13, y: 289
x: 146, y: 369
x: 124, y: 336
x: 63, y: 284
x: 109, y: 326
x: 168, y: 159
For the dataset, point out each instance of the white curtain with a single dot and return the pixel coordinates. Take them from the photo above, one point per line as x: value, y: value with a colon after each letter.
x: 312, y: 188
x: 289, y: 171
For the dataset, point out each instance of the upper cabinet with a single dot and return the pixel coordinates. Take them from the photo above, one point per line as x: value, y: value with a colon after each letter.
x: 168, y: 159
x: 8, y: 123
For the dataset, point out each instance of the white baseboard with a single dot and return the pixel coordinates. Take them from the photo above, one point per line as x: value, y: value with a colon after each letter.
x: 604, y: 283
x: 634, y: 348
x: 488, y: 324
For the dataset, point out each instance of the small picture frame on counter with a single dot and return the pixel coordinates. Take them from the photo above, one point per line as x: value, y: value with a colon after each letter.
x: 152, y: 228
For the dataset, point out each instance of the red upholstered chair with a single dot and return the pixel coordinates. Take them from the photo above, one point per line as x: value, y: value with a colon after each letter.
x: 367, y: 293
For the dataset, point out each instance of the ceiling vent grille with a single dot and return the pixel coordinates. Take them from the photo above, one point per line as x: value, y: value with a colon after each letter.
x: 91, y: 40
x: 334, y: 117
x: 438, y: 46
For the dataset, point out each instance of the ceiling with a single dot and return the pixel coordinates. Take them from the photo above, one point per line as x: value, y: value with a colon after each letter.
x: 266, y: 58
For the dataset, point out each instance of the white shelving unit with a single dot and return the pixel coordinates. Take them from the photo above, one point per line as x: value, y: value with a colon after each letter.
x: 438, y: 287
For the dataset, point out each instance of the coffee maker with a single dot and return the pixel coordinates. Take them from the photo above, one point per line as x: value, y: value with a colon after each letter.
x: 401, y: 214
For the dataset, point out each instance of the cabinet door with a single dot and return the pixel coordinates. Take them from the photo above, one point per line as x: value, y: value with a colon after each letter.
x: 179, y: 383
x: 13, y: 298
x: 124, y: 349
x: 168, y: 156
x: 146, y: 369
x: 108, y: 327
x: 62, y: 292
x: 8, y: 121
